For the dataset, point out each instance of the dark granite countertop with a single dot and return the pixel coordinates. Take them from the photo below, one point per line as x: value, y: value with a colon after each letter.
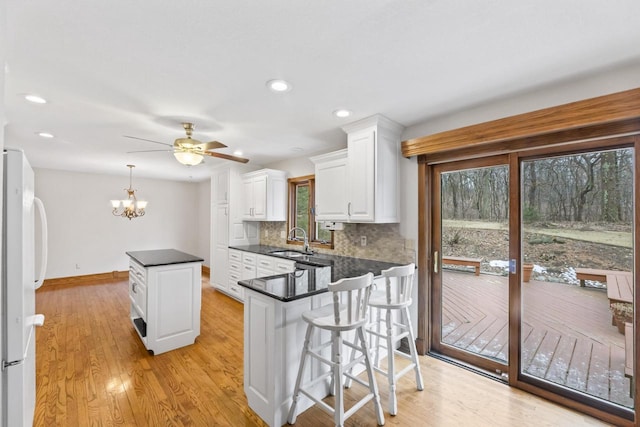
x: 157, y: 257
x: 305, y: 281
x: 341, y: 267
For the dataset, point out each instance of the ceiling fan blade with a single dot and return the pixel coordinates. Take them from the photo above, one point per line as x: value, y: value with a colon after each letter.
x: 211, y: 145
x: 225, y: 156
x: 150, y: 151
x: 148, y: 140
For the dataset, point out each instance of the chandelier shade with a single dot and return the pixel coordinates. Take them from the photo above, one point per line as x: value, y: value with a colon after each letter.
x: 130, y: 207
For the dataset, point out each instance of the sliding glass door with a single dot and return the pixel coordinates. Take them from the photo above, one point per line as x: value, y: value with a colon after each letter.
x: 471, y: 251
x: 577, y: 293
x: 532, y: 269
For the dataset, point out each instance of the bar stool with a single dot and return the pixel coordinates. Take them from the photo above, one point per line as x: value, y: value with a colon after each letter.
x: 348, y: 312
x: 396, y: 296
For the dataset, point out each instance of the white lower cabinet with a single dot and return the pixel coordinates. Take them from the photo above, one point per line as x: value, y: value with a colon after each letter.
x: 165, y: 304
x: 247, y: 265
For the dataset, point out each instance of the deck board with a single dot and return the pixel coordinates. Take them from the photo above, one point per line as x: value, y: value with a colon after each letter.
x: 567, y: 334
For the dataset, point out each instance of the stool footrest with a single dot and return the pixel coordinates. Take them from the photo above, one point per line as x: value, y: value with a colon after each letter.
x: 359, y: 404
x: 403, y: 354
x: 356, y: 379
x: 406, y: 369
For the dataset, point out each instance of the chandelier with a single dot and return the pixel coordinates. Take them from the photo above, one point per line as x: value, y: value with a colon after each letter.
x: 130, y: 207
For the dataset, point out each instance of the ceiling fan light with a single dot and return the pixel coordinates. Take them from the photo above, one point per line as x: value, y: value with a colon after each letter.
x: 188, y: 158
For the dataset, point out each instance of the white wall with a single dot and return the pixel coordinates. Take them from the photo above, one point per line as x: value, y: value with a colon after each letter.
x: 83, y: 231
x: 299, y: 166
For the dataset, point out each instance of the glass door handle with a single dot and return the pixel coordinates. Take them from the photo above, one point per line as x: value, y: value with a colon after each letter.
x: 435, y: 262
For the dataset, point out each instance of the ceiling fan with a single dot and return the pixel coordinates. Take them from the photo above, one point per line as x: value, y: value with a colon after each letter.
x: 189, y: 151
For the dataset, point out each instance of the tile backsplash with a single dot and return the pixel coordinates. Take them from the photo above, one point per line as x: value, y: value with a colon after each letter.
x: 384, y: 241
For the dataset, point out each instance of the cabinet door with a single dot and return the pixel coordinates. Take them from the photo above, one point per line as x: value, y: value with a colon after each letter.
x: 331, y: 191
x: 220, y: 187
x: 220, y: 238
x: 260, y: 197
x: 361, y: 170
x: 247, y: 199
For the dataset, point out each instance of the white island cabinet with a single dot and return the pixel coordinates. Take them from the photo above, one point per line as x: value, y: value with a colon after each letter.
x: 165, y: 290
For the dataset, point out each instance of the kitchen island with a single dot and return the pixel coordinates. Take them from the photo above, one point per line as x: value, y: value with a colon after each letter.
x: 165, y: 292
x: 274, y: 331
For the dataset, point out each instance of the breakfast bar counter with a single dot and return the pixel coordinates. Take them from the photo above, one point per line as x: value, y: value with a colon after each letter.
x: 274, y: 330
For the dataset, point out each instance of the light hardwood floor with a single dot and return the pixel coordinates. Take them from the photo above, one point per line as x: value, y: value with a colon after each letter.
x: 92, y: 370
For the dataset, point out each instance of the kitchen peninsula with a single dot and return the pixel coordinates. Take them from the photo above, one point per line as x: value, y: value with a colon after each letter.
x: 274, y: 330
x: 165, y: 293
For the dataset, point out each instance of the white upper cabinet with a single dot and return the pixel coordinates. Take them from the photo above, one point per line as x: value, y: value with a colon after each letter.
x: 265, y: 195
x: 364, y: 186
x: 331, y: 200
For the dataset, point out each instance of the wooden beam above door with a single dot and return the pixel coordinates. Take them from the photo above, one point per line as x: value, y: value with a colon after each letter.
x: 613, y: 114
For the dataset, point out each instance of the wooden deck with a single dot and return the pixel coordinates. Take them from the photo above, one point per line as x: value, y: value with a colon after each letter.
x: 567, y: 333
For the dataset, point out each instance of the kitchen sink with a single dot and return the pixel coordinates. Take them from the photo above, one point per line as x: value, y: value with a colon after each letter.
x: 301, y: 256
x: 288, y: 254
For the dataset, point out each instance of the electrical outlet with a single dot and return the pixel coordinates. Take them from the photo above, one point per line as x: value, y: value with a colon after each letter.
x: 363, y: 240
x: 409, y: 244
x: 283, y: 234
x: 77, y: 266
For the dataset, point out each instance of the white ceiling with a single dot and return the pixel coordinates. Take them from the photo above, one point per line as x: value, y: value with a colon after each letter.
x: 122, y: 67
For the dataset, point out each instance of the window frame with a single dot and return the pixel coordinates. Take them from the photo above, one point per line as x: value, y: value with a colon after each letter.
x: 293, y: 184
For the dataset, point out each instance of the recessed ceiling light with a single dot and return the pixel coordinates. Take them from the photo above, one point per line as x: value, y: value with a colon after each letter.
x: 45, y: 134
x: 35, y: 99
x: 279, y: 85
x: 342, y: 113
x: 237, y: 153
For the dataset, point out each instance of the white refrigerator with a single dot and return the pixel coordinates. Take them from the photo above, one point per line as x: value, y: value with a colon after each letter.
x: 18, y: 288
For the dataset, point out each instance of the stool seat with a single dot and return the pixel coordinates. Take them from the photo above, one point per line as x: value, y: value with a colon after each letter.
x: 347, y: 313
x: 324, y: 317
x: 379, y: 300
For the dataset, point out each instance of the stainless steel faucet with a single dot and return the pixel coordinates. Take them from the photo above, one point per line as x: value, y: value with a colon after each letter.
x: 305, y: 244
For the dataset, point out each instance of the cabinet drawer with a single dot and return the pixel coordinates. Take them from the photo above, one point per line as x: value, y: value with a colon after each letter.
x: 235, y: 266
x: 236, y: 291
x: 266, y: 262
x: 137, y: 271
x: 234, y: 276
x: 284, y: 267
x: 248, y: 258
x: 138, y: 296
x: 235, y: 255
x: 248, y: 272
x: 264, y: 272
